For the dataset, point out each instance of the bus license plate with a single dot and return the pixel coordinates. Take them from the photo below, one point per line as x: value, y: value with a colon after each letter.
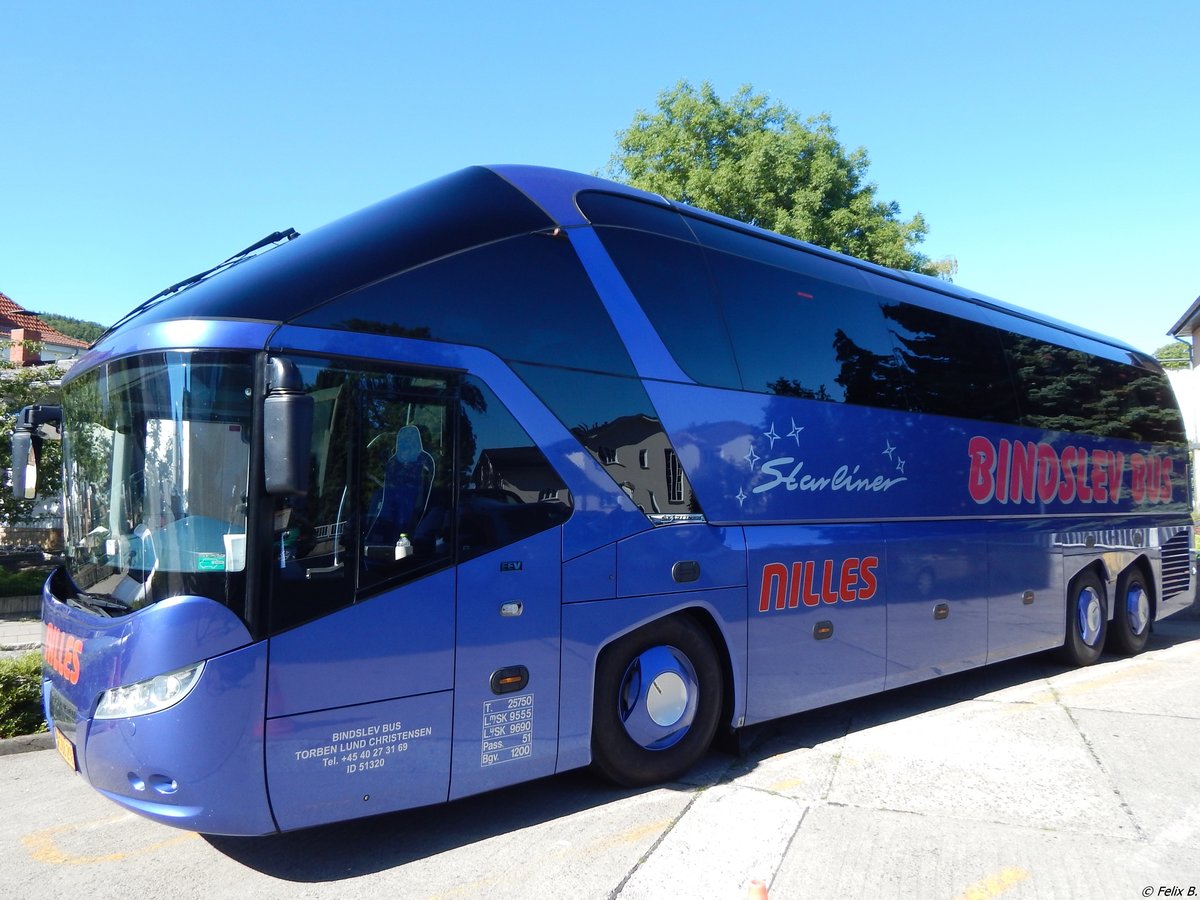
x: 65, y: 749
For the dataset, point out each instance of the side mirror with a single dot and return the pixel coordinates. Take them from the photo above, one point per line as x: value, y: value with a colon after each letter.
x: 24, y: 466
x: 34, y: 424
x: 287, y: 430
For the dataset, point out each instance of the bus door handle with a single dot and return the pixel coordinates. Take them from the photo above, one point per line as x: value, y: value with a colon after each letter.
x: 324, y: 571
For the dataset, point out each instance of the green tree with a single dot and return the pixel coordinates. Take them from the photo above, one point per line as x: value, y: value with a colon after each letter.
x: 1175, y: 355
x: 76, y: 328
x: 759, y: 162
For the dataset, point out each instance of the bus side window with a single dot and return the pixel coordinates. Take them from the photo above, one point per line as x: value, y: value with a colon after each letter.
x: 671, y: 282
x: 410, y: 473
x: 798, y: 334
x: 313, y: 564
x: 509, y: 491
x: 943, y: 379
x: 405, y: 486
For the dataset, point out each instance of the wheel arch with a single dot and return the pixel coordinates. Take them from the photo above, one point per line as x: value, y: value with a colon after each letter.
x: 704, y: 618
x: 1145, y: 567
x: 591, y: 628
x: 659, y: 696
x: 1100, y: 570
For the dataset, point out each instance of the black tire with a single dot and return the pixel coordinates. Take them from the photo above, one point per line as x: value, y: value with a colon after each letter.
x: 639, y: 739
x: 1133, y: 611
x: 1087, y: 619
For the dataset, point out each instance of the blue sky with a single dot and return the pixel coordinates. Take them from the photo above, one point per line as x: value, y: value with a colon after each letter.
x: 1051, y: 146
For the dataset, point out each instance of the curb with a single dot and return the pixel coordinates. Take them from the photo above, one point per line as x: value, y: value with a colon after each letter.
x: 25, y: 743
x: 20, y: 648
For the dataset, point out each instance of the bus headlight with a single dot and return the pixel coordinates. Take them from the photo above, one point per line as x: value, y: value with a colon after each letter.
x: 152, y: 695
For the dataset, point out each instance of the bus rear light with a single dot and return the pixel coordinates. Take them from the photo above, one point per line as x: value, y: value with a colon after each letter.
x: 152, y: 695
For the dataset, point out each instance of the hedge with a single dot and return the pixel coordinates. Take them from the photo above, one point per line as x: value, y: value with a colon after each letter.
x: 21, y: 695
x: 22, y: 584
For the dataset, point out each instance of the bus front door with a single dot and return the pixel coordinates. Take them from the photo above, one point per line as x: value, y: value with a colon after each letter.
x: 360, y: 690
x: 506, y: 671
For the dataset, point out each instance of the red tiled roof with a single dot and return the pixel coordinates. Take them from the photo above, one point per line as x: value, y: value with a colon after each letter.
x: 12, y: 316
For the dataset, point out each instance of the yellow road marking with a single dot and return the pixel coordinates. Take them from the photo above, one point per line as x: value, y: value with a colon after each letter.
x: 786, y: 785
x: 994, y: 885
x: 43, y: 846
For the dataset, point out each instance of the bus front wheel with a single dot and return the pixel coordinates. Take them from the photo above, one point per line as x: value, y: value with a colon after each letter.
x: 1087, y: 619
x: 657, y: 702
x: 1132, y: 612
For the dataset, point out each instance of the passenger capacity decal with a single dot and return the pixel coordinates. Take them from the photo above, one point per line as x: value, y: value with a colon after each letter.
x: 63, y: 653
x: 1027, y: 472
x: 815, y: 582
x: 507, y: 730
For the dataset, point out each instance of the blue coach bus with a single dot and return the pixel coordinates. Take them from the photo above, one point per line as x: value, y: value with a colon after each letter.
x: 521, y: 471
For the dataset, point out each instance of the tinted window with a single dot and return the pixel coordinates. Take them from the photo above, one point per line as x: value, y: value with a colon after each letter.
x: 775, y: 252
x: 670, y: 280
x: 609, y: 209
x: 615, y: 421
x: 406, y: 479
x: 801, y: 336
x: 509, y: 490
x: 313, y: 533
x: 1150, y: 408
x: 801, y: 326
x: 448, y: 214
x: 410, y: 473
x: 952, y: 366
x: 526, y: 298
x: 1063, y: 389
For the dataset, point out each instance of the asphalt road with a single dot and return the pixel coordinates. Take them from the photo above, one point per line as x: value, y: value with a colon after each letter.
x: 1026, y: 779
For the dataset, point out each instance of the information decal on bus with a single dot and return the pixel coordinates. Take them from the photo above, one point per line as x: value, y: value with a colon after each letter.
x: 349, y: 752
x: 507, y: 730
x: 344, y: 762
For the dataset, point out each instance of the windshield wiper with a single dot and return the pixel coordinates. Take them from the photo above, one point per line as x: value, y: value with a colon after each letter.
x: 273, y: 238
x: 99, y: 604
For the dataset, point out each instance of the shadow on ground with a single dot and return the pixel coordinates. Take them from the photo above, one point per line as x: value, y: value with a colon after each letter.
x: 351, y: 849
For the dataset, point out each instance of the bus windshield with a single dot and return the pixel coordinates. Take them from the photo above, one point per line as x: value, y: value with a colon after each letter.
x: 156, y: 454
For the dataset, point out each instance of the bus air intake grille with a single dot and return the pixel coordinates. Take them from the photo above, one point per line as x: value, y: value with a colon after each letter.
x: 64, y: 713
x: 1176, y: 564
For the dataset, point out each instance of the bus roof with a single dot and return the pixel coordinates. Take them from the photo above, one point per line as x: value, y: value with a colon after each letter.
x: 542, y: 184
x: 466, y: 208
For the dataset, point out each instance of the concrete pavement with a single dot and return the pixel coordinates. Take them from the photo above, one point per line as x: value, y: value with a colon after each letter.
x: 20, y: 635
x: 1025, y: 779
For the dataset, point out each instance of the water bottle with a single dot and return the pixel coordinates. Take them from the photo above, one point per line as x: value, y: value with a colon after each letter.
x: 404, y: 547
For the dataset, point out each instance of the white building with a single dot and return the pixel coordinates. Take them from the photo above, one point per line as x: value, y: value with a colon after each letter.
x: 1186, y: 383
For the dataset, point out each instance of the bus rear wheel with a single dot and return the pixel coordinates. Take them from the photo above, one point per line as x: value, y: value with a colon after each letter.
x: 657, y: 702
x: 1132, y: 613
x: 1087, y: 619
